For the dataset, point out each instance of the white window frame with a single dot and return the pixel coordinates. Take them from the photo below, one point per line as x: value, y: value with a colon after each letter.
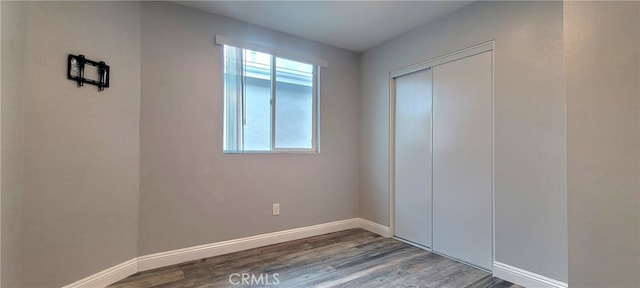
x: 275, y: 53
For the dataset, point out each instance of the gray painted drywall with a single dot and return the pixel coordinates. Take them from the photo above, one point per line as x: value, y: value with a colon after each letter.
x: 192, y: 193
x: 14, y: 25
x: 603, y: 67
x: 81, y: 147
x: 530, y: 137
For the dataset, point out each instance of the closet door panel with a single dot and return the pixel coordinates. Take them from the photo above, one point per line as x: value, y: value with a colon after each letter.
x: 462, y: 160
x: 413, y: 157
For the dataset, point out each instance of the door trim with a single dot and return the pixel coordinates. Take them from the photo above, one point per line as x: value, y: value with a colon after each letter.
x: 453, y: 56
x: 427, y: 64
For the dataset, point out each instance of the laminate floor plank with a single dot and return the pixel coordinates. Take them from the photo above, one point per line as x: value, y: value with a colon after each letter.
x: 275, y: 259
x: 152, y: 281
x: 351, y: 258
x: 396, y: 275
x: 232, y: 258
x: 270, y: 257
x: 492, y: 282
x: 370, y: 264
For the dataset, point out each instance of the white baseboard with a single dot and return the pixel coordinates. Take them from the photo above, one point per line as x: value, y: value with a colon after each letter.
x: 157, y: 260
x: 374, y: 227
x: 214, y: 249
x: 108, y: 276
x: 524, y: 278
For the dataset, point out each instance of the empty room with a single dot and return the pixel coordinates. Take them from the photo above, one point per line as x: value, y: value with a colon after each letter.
x: 460, y: 144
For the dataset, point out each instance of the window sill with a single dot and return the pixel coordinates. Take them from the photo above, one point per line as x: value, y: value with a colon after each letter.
x: 274, y: 152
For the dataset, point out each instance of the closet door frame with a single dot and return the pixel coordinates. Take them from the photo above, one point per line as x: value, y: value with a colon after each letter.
x: 457, y: 55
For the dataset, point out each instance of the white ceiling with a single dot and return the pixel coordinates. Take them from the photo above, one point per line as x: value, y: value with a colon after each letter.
x: 352, y: 25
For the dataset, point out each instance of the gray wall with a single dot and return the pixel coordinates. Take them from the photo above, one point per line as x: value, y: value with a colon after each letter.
x: 14, y: 25
x: 602, y: 43
x: 190, y: 190
x: 530, y: 146
x: 81, y: 147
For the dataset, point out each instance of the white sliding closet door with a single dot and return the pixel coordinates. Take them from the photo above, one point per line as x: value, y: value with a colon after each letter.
x: 462, y: 160
x: 413, y: 157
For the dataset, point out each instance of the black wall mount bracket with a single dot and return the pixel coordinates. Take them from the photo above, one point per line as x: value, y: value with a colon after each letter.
x: 76, y: 68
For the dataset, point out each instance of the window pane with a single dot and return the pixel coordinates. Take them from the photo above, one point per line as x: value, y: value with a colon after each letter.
x: 267, y: 107
x: 257, y: 127
x: 294, y: 104
x: 233, y: 97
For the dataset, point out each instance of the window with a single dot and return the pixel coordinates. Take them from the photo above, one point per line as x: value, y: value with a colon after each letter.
x: 270, y: 103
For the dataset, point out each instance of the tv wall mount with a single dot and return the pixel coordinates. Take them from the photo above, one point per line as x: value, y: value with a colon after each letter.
x: 76, y: 71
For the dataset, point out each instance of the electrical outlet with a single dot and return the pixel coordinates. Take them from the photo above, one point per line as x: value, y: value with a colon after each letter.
x: 276, y: 209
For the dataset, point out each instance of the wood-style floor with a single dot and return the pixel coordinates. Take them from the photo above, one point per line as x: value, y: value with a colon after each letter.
x: 351, y: 258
